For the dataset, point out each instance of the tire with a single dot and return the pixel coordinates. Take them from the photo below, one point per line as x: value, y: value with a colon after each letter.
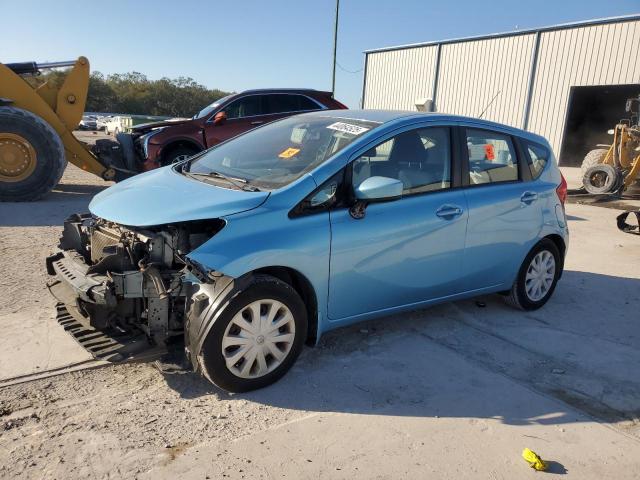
x: 177, y: 154
x: 44, y: 146
x: 518, y: 296
x: 128, y: 151
x: 601, y: 178
x: 594, y: 157
x: 214, y: 359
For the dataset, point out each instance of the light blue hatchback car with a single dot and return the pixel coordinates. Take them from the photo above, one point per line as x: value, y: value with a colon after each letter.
x: 314, y: 222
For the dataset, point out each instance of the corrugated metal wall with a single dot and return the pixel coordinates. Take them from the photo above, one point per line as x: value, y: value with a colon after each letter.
x: 597, y: 55
x: 471, y: 72
x: 396, y: 79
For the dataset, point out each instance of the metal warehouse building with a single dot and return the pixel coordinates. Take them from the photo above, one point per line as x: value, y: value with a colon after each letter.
x: 567, y: 82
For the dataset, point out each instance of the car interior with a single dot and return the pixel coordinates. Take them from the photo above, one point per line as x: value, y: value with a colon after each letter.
x: 420, y: 159
x: 491, y: 159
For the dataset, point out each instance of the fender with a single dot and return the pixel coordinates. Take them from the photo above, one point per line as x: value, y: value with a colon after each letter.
x: 205, y: 304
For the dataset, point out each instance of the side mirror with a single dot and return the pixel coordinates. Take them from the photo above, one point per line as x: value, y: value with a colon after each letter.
x: 219, y: 118
x: 379, y: 189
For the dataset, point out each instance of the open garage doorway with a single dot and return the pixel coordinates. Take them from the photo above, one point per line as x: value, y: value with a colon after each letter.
x: 591, y: 112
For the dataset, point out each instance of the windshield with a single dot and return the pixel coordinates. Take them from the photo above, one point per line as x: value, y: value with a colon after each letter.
x: 278, y: 153
x: 206, y: 111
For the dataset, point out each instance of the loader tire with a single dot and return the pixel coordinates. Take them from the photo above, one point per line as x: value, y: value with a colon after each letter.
x: 32, y: 158
x: 594, y: 157
x: 601, y: 179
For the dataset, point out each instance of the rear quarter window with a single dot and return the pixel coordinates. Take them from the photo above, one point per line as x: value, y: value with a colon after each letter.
x: 537, y: 158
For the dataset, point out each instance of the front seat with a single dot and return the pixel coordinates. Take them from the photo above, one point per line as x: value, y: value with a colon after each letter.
x: 407, y: 152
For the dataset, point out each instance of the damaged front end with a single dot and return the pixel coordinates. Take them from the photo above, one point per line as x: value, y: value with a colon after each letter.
x: 124, y: 281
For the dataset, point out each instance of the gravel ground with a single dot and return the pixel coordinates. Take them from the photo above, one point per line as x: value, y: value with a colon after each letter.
x: 499, y: 379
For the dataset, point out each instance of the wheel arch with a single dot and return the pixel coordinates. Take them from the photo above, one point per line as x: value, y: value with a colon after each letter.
x: 562, y: 248
x: 180, y: 142
x: 304, y: 288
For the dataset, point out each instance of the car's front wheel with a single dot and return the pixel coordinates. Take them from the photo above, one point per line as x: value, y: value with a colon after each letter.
x: 537, y: 277
x: 257, y: 338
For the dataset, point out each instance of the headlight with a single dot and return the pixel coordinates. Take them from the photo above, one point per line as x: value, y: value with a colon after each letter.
x: 145, y: 140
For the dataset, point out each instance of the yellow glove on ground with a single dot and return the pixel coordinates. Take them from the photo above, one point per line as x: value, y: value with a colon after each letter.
x: 534, y: 460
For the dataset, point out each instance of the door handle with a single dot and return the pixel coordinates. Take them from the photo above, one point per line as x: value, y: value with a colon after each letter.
x: 257, y: 122
x: 449, y: 212
x: 529, y: 197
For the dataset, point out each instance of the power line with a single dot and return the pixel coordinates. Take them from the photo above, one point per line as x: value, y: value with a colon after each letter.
x: 348, y: 71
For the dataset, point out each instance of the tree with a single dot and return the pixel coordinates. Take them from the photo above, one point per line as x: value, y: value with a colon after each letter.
x: 133, y: 93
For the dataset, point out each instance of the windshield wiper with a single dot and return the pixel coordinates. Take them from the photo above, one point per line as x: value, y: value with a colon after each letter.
x: 240, y: 183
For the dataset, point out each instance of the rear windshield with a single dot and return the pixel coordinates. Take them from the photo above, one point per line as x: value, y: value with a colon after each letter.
x: 278, y: 153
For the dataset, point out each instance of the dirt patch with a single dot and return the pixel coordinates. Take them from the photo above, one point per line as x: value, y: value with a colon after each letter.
x: 114, y: 412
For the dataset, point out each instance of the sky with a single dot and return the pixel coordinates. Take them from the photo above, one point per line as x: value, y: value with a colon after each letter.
x: 241, y: 44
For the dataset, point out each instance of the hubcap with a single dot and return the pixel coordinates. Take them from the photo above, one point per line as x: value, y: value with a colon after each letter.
x: 258, y: 338
x: 180, y: 158
x: 540, y: 275
x: 17, y: 158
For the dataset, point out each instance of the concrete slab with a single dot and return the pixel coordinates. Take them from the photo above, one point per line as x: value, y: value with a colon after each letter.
x: 33, y: 342
x: 411, y: 409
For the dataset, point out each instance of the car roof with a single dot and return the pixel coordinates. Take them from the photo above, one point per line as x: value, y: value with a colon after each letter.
x: 284, y: 90
x: 401, y: 117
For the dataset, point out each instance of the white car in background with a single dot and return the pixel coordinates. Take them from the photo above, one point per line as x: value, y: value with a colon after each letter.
x: 113, y: 125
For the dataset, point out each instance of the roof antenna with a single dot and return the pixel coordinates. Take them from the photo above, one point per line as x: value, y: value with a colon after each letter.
x: 487, y: 107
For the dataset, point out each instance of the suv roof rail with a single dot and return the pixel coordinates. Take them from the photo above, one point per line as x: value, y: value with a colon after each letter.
x: 255, y: 90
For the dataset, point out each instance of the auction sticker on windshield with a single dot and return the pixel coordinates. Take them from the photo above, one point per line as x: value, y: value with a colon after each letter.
x: 347, y: 128
x: 289, y: 152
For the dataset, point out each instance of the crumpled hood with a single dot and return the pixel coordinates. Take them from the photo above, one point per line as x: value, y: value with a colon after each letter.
x: 144, y: 127
x: 165, y: 196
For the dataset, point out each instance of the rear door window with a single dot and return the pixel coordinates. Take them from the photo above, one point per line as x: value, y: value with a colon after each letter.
x: 492, y: 157
x: 286, y: 103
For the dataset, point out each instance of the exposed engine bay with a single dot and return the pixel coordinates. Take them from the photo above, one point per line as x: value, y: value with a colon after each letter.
x: 125, y: 279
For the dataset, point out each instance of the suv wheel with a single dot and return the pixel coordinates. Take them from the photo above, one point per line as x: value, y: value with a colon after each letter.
x: 178, y: 154
x: 537, y: 277
x: 257, y: 338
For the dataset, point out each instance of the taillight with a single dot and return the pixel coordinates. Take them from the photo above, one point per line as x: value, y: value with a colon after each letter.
x: 341, y: 105
x: 561, y: 191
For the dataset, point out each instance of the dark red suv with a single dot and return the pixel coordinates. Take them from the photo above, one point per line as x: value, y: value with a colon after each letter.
x: 163, y: 143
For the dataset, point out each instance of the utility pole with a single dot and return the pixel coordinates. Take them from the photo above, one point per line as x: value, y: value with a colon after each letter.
x: 335, y: 48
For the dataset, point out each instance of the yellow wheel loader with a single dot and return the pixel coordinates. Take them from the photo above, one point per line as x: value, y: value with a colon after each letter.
x: 614, y: 168
x: 36, y: 126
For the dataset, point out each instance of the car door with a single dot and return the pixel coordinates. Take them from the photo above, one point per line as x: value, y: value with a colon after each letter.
x: 406, y: 251
x: 504, y: 209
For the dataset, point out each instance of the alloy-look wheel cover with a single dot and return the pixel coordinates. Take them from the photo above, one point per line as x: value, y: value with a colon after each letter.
x: 540, y: 275
x: 258, y: 338
x: 18, y: 158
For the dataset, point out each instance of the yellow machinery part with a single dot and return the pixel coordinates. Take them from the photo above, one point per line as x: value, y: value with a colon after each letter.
x: 64, y: 115
x: 619, y: 151
x: 633, y: 173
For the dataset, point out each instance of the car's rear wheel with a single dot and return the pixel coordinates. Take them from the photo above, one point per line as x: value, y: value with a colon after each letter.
x: 537, y: 277
x: 257, y: 338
